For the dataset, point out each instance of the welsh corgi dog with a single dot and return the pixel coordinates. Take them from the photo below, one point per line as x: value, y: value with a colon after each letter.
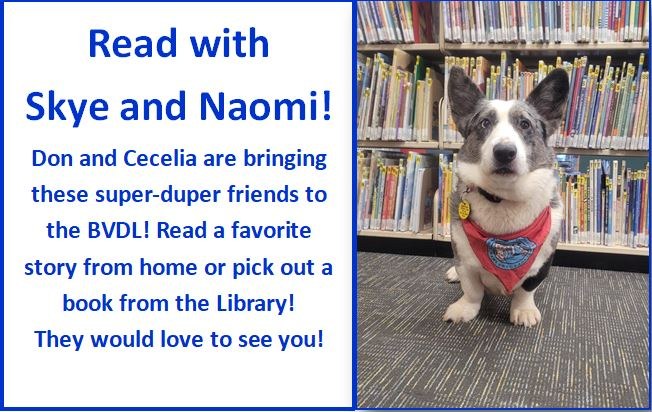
x: 506, y: 210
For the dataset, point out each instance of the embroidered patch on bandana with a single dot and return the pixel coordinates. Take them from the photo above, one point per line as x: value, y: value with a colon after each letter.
x: 509, y: 256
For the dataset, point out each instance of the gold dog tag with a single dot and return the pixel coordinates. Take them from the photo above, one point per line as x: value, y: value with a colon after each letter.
x: 464, y: 209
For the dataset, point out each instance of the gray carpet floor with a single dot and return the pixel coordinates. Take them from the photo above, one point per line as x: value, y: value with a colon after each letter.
x: 590, y: 351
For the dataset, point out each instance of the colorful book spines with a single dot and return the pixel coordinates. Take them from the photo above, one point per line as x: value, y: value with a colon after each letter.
x: 395, y: 22
x: 545, y: 21
x: 390, y: 194
x: 606, y: 207
x: 445, y: 189
x: 396, y: 104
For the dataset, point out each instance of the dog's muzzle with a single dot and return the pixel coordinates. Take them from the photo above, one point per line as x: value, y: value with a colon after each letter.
x: 504, y: 154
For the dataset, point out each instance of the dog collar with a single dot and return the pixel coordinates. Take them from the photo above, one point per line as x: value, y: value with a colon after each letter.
x: 489, y: 196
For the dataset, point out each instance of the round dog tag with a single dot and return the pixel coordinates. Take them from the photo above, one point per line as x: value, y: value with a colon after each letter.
x: 464, y: 209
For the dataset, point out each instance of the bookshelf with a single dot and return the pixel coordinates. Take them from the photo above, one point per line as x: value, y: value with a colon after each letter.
x: 590, y: 48
x: 617, y: 250
x: 397, y: 235
x: 602, y: 152
x: 441, y: 49
x: 435, y: 52
x: 437, y: 145
x: 428, y: 49
x: 373, y: 144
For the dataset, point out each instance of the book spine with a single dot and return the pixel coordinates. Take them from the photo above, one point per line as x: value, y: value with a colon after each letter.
x: 389, y: 197
x: 370, y: 195
x: 380, y: 196
x: 577, y: 118
x: 399, y: 196
x: 361, y: 202
x: 407, y: 196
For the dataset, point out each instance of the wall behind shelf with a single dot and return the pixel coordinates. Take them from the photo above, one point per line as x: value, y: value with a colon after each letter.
x: 637, y: 163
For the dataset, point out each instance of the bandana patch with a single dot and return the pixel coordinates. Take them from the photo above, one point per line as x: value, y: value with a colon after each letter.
x: 510, y: 254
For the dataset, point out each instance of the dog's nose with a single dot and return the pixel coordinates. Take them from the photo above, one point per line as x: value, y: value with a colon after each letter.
x: 504, y: 153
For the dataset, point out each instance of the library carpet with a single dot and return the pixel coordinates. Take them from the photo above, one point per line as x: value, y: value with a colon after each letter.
x: 590, y: 351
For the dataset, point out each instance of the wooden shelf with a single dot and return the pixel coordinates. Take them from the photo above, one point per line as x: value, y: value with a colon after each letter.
x: 398, y: 144
x: 561, y: 47
x: 447, y: 48
x: 456, y: 146
x: 425, y: 48
x: 617, y: 250
x: 451, y: 146
x: 396, y: 235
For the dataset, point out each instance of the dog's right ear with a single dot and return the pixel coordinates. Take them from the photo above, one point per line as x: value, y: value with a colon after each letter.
x: 463, y: 97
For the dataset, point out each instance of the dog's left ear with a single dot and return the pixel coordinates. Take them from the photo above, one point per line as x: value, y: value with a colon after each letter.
x: 549, y: 98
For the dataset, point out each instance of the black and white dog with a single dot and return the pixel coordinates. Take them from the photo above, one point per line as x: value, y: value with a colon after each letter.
x: 506, y: 210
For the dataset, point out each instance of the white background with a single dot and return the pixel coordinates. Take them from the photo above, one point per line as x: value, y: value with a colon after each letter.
x: 47, y: 48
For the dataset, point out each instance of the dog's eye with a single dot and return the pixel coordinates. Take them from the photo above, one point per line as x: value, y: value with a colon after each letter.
x: 525, y: 124
x: 485, y: 123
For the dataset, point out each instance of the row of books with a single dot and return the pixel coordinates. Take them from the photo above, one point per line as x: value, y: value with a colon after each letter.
x: 397, y: 100
x: 397, y: 22
x: 607, y: 106
x: 545, y: 21
x: 395, y: 190
x: 607, y: 205
x: 447, y: 181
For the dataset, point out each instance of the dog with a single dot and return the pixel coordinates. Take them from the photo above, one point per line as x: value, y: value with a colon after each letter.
x: 506, y: 210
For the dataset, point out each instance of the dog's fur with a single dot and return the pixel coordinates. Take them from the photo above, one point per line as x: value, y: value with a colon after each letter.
x: 527, y: 184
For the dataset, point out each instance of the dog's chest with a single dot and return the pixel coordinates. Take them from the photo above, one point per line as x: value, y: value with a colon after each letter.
x: 503, y: 218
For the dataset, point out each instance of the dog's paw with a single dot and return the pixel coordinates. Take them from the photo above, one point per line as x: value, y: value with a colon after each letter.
x: 451, y: 275
x: 528, y: 316
x: 461, y: 311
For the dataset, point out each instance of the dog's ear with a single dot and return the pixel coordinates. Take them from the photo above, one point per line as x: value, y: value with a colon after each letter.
x: 463, y: 97
x: 549, y: 98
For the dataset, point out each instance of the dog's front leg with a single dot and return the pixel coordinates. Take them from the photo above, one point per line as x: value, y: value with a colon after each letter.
x: 468, y: 306
x: 523, y: 311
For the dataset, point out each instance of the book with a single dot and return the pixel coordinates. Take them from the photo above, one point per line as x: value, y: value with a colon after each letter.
x: 422, y: 161
x: 389, y: 198
x: 422, y: 219
x: 406, y: 209
x: 398, y: 208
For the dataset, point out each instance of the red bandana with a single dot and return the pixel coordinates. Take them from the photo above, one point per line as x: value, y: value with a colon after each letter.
x: 509, y: 256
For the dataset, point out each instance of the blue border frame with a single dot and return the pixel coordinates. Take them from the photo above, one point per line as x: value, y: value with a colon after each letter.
x: 354, y: 300
x: 353, y: 257
x: 649, y: 296
x: 354, y: 204
x: 649, y: 247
